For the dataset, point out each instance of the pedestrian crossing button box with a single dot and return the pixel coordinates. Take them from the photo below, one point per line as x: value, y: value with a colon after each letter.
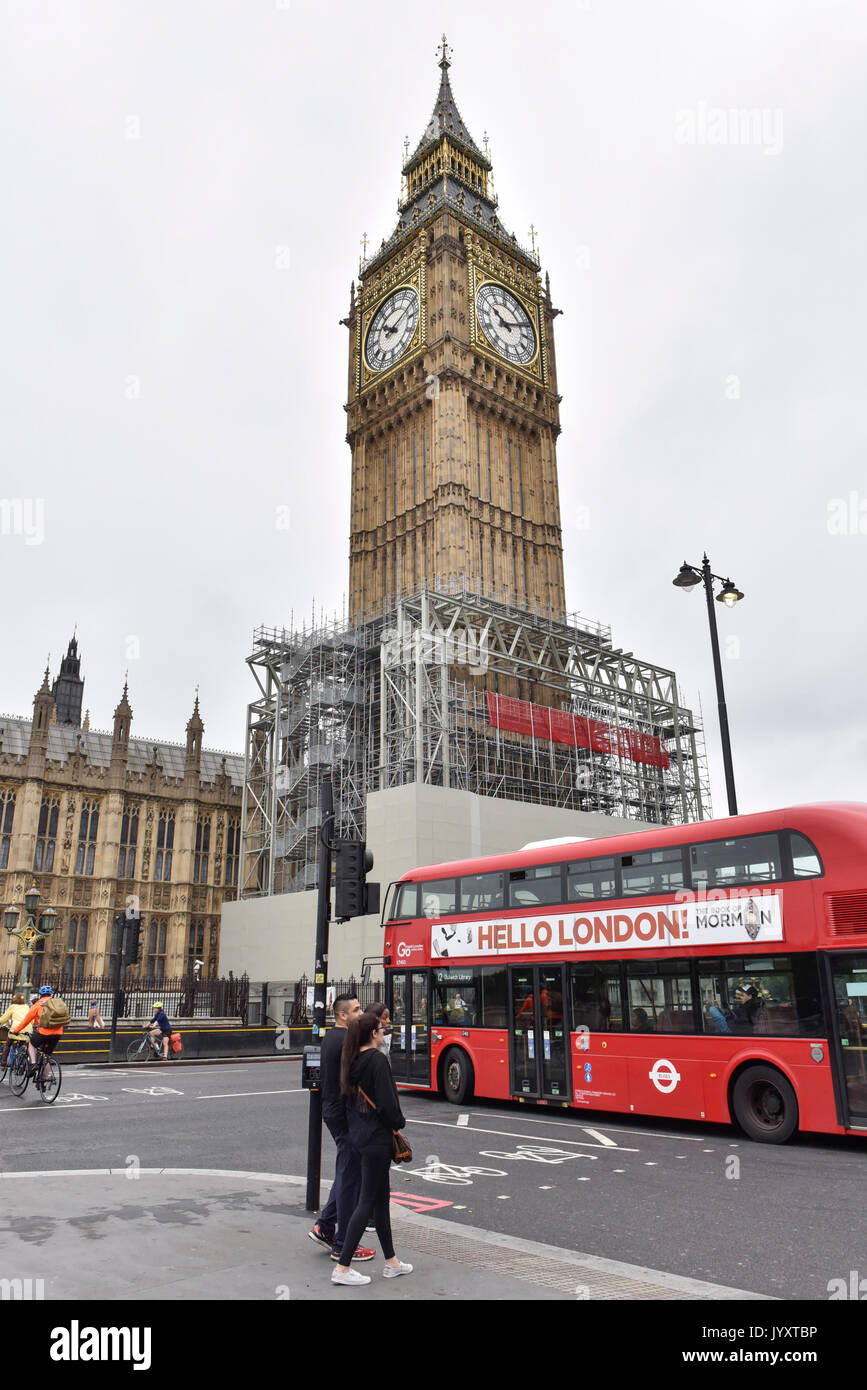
x: 311, y: 1065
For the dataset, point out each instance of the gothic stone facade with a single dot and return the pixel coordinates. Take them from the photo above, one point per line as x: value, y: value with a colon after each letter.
x: 98, y: 820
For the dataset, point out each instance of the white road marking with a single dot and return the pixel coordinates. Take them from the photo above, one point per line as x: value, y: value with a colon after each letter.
x: 603, y: 1138
x: 230, y: 1095
x: 151, y: 1090
x: 463, y: 1121
x: 37, y: 1110
x: 648, y: 1133
x: 510, y: 1134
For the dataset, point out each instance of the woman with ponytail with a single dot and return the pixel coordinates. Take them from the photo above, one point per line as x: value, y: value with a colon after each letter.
x: 373, y: 1112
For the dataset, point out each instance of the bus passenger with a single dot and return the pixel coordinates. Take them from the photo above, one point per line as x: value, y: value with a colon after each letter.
x: 717, y: 1017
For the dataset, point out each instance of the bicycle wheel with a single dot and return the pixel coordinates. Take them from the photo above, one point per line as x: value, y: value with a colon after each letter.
x: 137, y: 1050
x: 19, y: 1075
x: 49, y: 1086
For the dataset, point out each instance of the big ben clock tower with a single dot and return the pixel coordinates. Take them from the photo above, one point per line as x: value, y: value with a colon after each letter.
x: 453, y: 408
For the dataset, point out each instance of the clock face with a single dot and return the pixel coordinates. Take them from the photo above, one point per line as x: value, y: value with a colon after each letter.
x: 506, y: 324
x: 391, y: 330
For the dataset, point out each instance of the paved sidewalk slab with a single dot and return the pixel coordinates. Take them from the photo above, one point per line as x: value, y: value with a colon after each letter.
x: 186, y: 1234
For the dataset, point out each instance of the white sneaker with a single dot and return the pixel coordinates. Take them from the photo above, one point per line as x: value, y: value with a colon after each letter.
x: 389, y: 1272
x: 351, y: 1277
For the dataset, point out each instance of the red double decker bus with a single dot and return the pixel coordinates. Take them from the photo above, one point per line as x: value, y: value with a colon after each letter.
x: 715, y: 971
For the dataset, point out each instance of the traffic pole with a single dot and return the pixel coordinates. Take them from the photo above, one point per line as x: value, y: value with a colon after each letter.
x: 320, y: 981
x: 115, y: 989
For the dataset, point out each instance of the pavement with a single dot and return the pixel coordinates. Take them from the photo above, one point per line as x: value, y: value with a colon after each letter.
x: 192, y: 1233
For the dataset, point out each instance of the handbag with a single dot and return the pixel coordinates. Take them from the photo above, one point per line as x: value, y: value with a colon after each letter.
x: 401, y: 1151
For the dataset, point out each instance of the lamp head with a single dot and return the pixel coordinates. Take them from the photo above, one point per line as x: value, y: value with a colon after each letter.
x: 31, y: 899
x: 729, y: 594
x: 48, y: 921
x: 687, y: 578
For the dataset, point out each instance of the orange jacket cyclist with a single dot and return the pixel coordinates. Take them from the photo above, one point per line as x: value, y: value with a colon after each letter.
x: 46, y: 1038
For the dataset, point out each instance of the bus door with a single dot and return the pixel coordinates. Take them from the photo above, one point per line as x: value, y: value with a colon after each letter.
x: 410, y: 1034
x: 539, y: 1051
x: 849, y: 1032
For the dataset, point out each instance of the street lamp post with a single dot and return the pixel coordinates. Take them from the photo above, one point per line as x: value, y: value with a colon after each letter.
x: 687, y: 579
x: 29, y: 933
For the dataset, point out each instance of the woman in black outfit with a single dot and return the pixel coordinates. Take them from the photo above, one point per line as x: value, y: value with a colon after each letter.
x: 363, y: 1067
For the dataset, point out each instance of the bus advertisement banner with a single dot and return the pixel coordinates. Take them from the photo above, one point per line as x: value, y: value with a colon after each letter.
x: 758, y: 917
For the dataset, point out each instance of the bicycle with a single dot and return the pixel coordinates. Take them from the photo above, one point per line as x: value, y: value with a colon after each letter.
x: 144, y: 1049
x: 16, y: 1045
x: 46, y: 1074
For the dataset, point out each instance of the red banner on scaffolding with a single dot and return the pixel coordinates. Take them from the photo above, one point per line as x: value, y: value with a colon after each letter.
x: 558, y: 726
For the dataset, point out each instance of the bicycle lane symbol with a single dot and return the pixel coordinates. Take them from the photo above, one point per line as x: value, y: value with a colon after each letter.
x: 152, y: 1090
x: 451, y: 1174
x: 77, y: 1097
x: 538, y: 1153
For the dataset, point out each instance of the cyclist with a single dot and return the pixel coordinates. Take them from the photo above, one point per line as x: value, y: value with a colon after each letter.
x: 12, y: 1017
x: 46, y: 1038
x: 160, y: 1027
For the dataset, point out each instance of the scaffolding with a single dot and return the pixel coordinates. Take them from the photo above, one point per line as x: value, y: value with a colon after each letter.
x: 403, y: 697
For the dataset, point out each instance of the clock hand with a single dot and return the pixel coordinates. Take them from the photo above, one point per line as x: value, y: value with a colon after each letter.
x: 394, y: 327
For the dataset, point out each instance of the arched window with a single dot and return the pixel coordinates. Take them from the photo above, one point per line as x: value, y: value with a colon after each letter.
x: 165, y: 846
x: 203, y: 846
x: 46, y: 834
x: 7, y: 815
x: 88, y: 828
x: 156, y: 959
x: 128, y: 842
x: 76, y: 950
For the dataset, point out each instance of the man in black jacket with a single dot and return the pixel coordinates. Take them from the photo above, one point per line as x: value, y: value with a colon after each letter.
x: 343, y: 1198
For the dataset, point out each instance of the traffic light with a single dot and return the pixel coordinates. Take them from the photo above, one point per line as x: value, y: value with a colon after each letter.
x: 133, y: 932
x: 353, y: 896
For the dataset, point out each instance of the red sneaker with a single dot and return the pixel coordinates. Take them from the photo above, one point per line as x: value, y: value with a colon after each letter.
x: 320, y: 1239
x: 362, y: 1253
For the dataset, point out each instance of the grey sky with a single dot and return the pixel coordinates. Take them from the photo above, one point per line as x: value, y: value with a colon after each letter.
x: 186, y: 188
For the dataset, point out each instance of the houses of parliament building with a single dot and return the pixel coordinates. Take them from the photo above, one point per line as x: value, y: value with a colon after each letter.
x: 100, y: 820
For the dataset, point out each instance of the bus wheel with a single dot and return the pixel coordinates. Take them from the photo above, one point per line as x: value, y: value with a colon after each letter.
x: 457, y: 1074
x: 764, y: 1105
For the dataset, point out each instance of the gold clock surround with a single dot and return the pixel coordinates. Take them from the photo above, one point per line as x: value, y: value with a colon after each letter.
x: 484, y: 270
x: 368, y: 308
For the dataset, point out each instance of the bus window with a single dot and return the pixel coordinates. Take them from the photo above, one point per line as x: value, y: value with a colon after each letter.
x: 805, y: 857
x: 483, y: 893
x: 404, y: 902
x: 536, y: 887
x: 494, y: 996
x: 660, y: 998
x: 653, y: 871
x: 722, y: 863
x: 596, y: 998
x: 438, y: 897
x: 590, y: 879
x: 456, y: 996
x: 778, y: 996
